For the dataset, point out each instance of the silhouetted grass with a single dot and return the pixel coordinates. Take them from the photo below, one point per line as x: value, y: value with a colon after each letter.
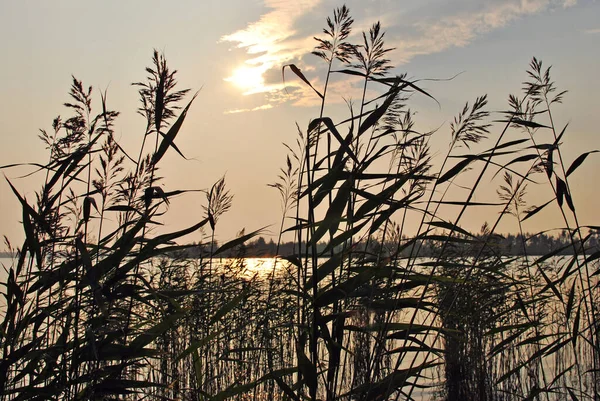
x: 99, y: 305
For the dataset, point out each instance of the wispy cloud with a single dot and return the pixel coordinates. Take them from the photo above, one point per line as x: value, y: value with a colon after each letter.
x: 270, y: 42
x: 438, y: 33
x: 341, y: 91
x: 594, y: 31
x: 263, y: 107
x: 285, y: 35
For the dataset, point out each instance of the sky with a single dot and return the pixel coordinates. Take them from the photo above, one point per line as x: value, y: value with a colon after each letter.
x: 233, y: 52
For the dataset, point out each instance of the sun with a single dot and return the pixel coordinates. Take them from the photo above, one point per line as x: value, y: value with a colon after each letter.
x: 247, y: 78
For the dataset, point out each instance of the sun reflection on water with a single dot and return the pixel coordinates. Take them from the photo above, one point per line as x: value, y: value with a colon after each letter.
x: 259, y: 267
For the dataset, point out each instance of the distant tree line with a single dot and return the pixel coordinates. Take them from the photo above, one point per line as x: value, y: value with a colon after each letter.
x: 504, y: 245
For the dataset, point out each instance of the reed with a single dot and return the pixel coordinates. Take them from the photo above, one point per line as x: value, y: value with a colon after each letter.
x: 100, y: 304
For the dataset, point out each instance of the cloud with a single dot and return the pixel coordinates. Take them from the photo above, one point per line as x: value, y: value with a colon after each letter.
x: 263, y: 107
x: 285, y: 35
x: 346, y: 89
x: 438, y: 33
x: 271, y: 41
x: 594, y: 31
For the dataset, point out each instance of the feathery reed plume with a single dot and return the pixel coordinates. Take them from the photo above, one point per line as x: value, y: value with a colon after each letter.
x: 158, y: 95
x: 466, y: 127
x: 371, y: 54
x: 286, y: 185
x: 337, y: 31
x: 513, y: 194
x: 219, y: 201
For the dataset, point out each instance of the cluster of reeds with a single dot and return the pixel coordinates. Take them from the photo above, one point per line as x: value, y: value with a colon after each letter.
x: 369, y: 306
x: 89, y: 305
x: 374, y: 320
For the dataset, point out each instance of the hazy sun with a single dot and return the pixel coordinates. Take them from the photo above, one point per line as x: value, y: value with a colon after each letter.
x: 247, y: 78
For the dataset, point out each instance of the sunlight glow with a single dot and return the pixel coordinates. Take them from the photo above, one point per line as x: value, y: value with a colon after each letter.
x: 264, y: 267
x: 270, y: 43
x: 250, y: 79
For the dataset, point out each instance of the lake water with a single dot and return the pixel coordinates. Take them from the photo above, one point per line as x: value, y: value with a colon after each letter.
x: 262, y: 268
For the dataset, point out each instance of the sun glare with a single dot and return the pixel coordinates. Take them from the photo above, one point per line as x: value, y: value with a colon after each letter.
x: 247, y: 78
x: 263, y: 267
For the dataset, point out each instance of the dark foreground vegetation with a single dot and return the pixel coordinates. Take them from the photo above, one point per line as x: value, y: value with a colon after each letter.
x: 95, y: 310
